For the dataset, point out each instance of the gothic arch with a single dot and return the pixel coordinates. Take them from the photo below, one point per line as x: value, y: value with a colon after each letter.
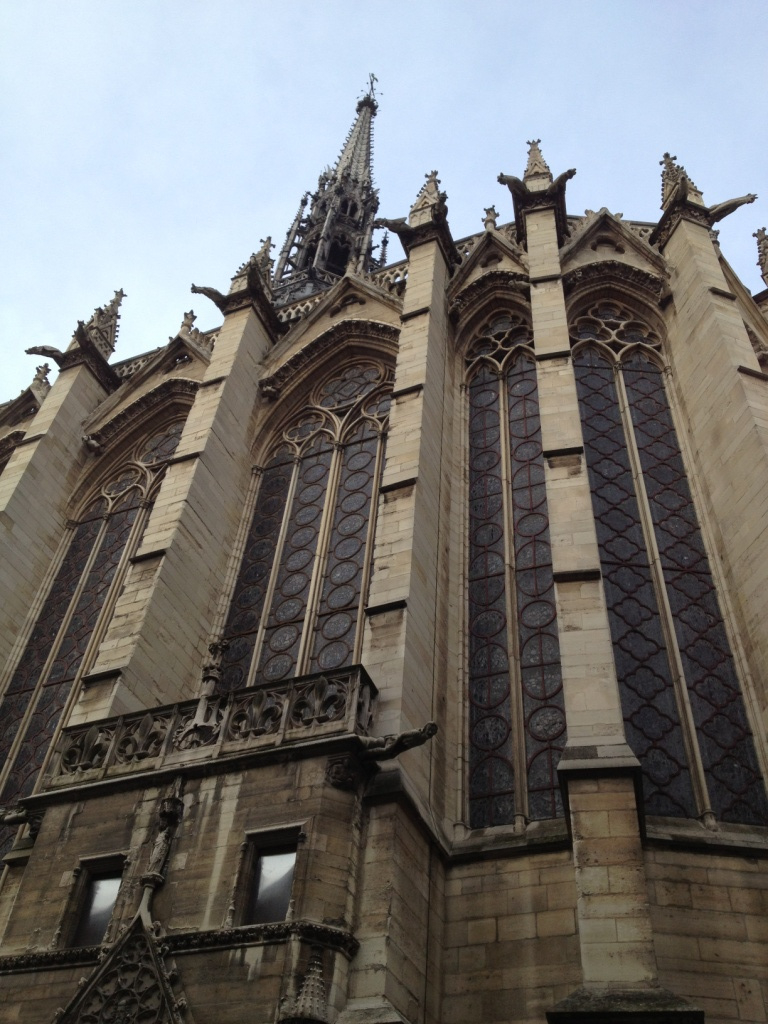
x: 611, y: 282
x: 681, y: 697
x: 301, y: 566
x: 496, y: 289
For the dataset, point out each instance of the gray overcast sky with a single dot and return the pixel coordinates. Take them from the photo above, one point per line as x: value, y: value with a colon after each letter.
x: 149, y: 144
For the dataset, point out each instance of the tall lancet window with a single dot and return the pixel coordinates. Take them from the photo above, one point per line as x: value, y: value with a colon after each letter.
x: 682, y: 703
x: 63, y: 643
x: 516, y: 714
x: 302, y: 581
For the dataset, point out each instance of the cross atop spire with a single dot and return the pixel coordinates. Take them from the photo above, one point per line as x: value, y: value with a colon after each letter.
x: 336, y: 234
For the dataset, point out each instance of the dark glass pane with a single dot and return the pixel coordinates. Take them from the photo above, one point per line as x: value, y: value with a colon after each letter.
x: 491, y: 744
x: 162, y: 445
x: 270, y: 892
x: 282, y: 636
x: 345, y: 388
x: 253, y: 577
x: 99, y: 903
x: 543, y: 708
x: 642, y: 667
x: 39, y: 646
x: 736, y: 788
x: 336, y: 626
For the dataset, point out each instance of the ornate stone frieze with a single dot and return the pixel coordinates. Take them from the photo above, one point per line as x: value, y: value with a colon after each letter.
x: 613, y: 270
x: 346, y: 330
x: 329, y: 704
x: 491, y: 282
x: 175, y: 388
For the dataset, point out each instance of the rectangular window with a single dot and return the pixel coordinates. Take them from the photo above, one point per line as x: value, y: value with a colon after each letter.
x: 270, y: 880
x: 99, y: 895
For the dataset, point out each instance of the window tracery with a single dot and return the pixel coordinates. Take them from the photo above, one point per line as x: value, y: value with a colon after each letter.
x: 516, y: 712
x: 682, y: 703
x: 302, y: 579
x: 60, y: 649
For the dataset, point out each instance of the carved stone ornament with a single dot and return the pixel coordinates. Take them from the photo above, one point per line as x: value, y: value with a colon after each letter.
x: 762, y: 252
x: 344, y: 772
x: 250, y: 291
x: 427, y: 222
x: 494, y: 281
x: 541, y: 194
x: 346, y: 330
x: 310, y: 1003
x: 613, y: 270
x: 384, y: 748
x: 134, y: 984
x: 175, y: 389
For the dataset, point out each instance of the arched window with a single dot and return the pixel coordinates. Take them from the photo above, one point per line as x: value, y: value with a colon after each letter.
x: 516, y: 714
x: 682, y: 704
x: 63, y: 642
x: 338, y: 255
x: 303, y: 577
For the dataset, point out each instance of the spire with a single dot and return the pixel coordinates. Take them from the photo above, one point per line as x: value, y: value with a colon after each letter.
x: 335, y: 235
x: 674, y: 181
x: 103, y: 325
x: 537, y: 166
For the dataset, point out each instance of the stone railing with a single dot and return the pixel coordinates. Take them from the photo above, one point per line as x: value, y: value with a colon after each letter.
x: 261, y: 717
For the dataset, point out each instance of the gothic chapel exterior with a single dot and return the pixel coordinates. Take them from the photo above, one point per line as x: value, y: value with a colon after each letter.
x: 396, y: 652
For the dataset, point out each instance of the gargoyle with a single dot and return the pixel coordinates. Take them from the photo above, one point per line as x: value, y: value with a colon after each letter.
x: 48, y: 351
x: 384, y: 748
x: 721, y: 210
x: 216, y: 297
x: 520, y: 190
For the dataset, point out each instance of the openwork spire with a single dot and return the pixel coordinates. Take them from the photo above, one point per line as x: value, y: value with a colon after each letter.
x: 335, y: 236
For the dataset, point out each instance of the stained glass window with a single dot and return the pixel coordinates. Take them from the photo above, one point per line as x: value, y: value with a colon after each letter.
x: 516, y: 713
x: 298, y: 595
x: 55, y: 654
x: 676, y: 672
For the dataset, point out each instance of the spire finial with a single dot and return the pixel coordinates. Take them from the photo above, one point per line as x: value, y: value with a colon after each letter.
x: 537, y: 166
x: 762, y: 252
x: 675, y: 180
x: 103, y: 325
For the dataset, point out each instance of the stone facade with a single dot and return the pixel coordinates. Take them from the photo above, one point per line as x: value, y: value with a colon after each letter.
x: 445, y: 581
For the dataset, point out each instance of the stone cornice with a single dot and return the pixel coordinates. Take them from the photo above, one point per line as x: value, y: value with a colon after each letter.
x: 485, y: 285
x: 596, y: 273
x: 363, y: 330
x: 173, y: 388
x: 338, y: 939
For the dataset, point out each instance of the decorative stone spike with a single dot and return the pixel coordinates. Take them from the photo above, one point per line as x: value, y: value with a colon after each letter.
x: 489, y: 220
x: 103, y: 325
x: 762, y: 252
x: 674, y: 179
x: 537, y: 166
x: 310, y: 1004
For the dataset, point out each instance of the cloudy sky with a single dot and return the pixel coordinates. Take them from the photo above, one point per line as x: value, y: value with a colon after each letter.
x: 149, y: 144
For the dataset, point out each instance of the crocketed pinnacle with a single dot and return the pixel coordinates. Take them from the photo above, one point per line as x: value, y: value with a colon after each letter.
x: 537, y: 165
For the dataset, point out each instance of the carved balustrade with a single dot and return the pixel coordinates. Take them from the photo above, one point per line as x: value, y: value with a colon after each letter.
x: 264, y: 716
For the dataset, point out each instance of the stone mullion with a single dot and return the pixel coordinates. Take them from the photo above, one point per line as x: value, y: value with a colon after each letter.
x: 269, y: 594
x: 517, y: 714
x: 677, y: 673
x: 321, y: 558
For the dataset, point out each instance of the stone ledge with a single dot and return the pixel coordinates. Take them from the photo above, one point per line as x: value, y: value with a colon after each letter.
x: 628, y: 1006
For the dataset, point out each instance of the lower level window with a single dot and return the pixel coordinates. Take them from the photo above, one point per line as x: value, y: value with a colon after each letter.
x: 98, y: 902
x: 269, y: 894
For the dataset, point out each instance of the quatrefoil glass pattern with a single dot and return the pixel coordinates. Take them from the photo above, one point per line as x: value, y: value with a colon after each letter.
x: 299, y: 590
x: 647, y: 645
x: 54, y: 656
x: 516, y: 713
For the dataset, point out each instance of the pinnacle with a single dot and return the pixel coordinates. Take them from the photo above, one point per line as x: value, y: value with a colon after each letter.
x: 537, y: 165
